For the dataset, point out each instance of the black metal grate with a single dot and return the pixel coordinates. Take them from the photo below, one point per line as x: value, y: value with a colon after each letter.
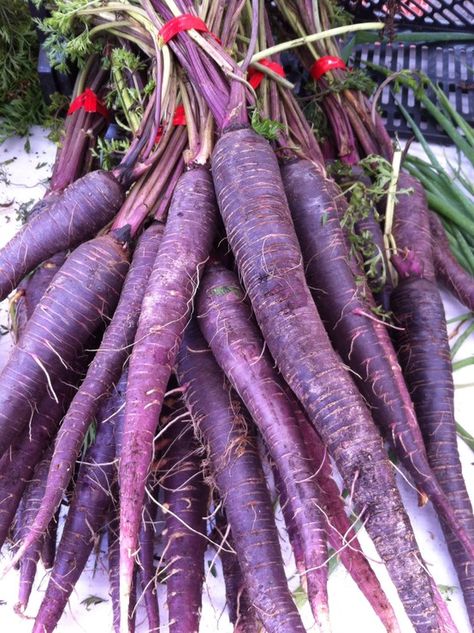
x: 444, y: 15
x: 452, y: 68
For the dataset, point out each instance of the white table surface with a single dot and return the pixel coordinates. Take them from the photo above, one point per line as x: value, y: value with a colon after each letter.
x: 22, y: 180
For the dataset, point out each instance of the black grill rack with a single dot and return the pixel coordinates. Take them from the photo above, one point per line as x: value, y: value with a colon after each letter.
x: 440, y: 15
x: 451, y: 67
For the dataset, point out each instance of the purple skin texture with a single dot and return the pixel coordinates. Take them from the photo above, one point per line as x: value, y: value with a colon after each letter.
x: 31, y: 502
x: 241, y: 613
x: 226, y: 321
x: 424, y: 354
x: 184, y: 249
x: 223, y: 427
x: 103, y: 373
x: 87, y: 515
x: 146, y: 566
x: 345, y: 305
x: 84, y: 208
x: 186, y: 496
x: 86, y: 289
x: 261, y: 235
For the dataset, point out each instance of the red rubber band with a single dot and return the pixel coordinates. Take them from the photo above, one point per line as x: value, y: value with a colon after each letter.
x: 179, y: 116
x: 90, y: 102
x: 255, y: 77
x: 324, y: 65
x: 181, y: 23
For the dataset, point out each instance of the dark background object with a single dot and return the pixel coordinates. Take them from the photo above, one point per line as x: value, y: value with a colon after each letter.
x: 441, y: 15
x: 51, y: 81
x: 451, y: 65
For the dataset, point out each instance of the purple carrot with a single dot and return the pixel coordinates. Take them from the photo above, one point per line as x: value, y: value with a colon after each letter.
x: 344, y: 302
x: 84, y: 208
x: 17, y: 464
x: 31, y: 502
x: 241, y: 613
x: 424, y: 354
x: 86, y: 517
x: 165, y: 310
x: 448, y: 270
x: 146, y: 565
x: 260, y: 232
x: 224, y: 428
x: 48, y: 550
x: 226, y: 322
x: 102, y: 374
x: 113, y: 553
x: 186, y: 498
x: 88, y: 287
x: 30, y: 291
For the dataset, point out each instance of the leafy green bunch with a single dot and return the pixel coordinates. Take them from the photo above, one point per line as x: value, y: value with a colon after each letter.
x: 21, y: 102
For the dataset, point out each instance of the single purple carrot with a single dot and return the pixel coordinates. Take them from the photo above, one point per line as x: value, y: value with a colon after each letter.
x: 29, y: 293
x: 186, y: 499
x: 86, y: 516
x: 225, y: 320
x: 82, y: 295
x: 241, y: 613
x: 448, y: 270
x: 48, y: 550
x: 224, y: 428
x: 31, y: 501
x: 84, y: 208
x: 260, y: 232
x: 113, y: 553
x: 165, y: 310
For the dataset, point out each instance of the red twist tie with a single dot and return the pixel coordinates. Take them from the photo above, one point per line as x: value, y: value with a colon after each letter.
x: 179, y: 116
x: 181, y: 23
x: 255, y: 76
x: 90, y: 102
x: 324, y: 65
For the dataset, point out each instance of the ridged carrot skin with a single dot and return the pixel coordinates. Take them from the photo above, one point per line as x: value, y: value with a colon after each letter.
x: 31, y: 290
x: 76, y: 215
x: 424, y: 353
x: 186, y: 496
x: 81, y: 297
x: 345, y: 304
x: 87, y: 514
x: 223, y: 427
x: 226, y: 321
x: 31, y: 502
x: 448, y: 270
x: 146, y: 565
x: 102, y: 375
x: 423, y: 349
x: 262, y: 237
x: 184, y: 249
x: 241, y: 613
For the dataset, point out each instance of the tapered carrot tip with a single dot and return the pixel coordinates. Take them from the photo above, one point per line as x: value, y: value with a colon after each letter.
x: 126, y: 578
x: 321, y: 616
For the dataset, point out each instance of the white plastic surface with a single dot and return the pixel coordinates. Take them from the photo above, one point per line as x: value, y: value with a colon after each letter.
x: 22, y: 180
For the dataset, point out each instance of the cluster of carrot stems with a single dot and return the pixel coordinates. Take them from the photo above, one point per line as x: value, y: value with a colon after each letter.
x: 149, y: 389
